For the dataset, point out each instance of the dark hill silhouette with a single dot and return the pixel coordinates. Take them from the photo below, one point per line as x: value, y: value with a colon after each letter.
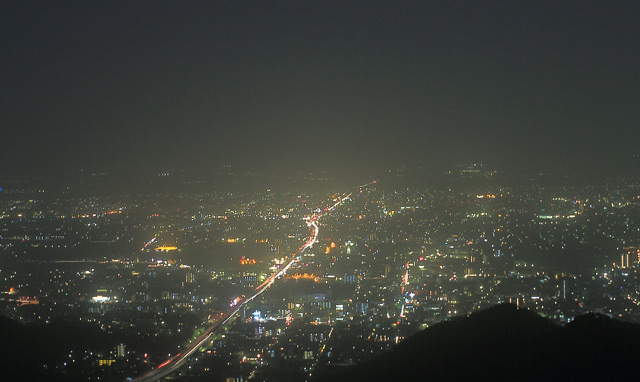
x: 24, y: 349
x: 504, y: 343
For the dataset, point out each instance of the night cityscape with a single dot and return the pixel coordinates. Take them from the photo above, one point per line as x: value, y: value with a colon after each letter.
x: 312, y: 191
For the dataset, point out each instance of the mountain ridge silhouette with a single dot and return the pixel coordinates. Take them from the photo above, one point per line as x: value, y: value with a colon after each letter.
x: 504, y: 343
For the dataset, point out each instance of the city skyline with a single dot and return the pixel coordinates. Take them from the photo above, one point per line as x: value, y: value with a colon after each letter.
x: 244, y: 282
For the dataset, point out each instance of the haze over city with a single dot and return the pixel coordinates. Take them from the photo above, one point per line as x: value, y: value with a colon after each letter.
x: 354, y: 84
x: 319, y: 190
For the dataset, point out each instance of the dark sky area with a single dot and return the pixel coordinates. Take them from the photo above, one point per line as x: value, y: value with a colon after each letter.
x: 316, y: 84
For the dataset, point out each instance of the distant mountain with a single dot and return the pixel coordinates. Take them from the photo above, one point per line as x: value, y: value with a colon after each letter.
x: 504, y: 343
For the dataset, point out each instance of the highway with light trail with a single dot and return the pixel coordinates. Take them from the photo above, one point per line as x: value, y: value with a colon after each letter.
x: 174, y: 363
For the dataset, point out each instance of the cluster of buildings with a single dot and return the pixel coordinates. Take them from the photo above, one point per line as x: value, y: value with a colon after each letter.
x: 152, y: 271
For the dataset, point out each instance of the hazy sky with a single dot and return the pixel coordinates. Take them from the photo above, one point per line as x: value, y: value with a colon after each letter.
x: 315, y: 83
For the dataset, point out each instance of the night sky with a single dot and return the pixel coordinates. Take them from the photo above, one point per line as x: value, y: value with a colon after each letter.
x: 312, y: 85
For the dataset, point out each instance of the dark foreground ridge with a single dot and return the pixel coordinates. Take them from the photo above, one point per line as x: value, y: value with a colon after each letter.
x: 504, y: 343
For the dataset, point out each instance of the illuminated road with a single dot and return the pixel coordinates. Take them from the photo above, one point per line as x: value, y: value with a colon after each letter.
x: 405, y: 283
x: 174, y: 363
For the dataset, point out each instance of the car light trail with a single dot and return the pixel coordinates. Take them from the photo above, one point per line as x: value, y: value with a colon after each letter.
x: 172, y: 364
